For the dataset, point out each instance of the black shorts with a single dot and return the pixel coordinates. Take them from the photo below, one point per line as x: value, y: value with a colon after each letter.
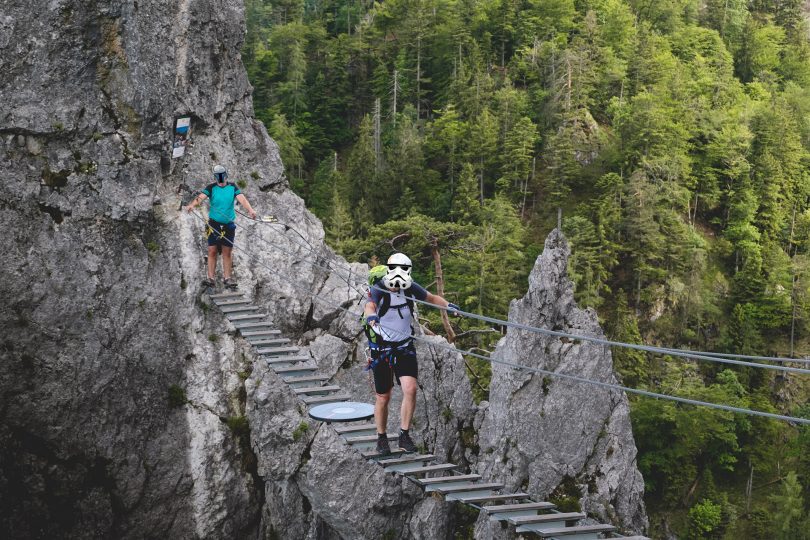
x: 221, y: 234
x: 404, y: 360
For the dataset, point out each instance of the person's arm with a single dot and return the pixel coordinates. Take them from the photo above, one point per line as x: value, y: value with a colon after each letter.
x: 452, y: 309
x: 197, y: 200
x: 244, y: 202
x: 436, y: 299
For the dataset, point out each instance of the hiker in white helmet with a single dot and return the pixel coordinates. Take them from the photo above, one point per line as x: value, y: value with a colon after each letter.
x: 388, y: 312
x: 221, y: 230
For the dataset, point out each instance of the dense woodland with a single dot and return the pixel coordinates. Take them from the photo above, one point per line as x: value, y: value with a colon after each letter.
x: 673, y: 135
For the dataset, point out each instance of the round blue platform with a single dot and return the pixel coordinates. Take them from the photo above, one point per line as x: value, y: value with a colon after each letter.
x: 345, y: 411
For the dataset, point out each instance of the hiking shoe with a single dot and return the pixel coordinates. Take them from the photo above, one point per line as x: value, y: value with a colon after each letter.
x: 229, y: 283
x: 405, y: 442
x: 210, y: 283
x: 382, y: 445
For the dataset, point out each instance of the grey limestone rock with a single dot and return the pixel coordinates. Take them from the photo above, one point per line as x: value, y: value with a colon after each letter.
x: 129, y: 408
x: 553, y: 436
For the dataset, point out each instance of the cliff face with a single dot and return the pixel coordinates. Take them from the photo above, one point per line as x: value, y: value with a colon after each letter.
x: 558, y: 438
x: 103, y: 317
x: 100, y: 275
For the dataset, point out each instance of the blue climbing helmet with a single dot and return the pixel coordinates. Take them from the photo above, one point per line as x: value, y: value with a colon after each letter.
x: 220, y: 174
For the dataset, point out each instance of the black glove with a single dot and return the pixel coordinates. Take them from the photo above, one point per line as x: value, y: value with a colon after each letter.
x: 453, y: 309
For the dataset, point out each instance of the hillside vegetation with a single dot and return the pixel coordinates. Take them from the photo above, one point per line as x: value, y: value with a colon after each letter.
x: 673, y: 136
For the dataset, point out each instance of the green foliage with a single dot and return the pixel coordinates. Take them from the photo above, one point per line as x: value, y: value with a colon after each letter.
x: 704, y: 520
x: 238, y: 425
x: 300, y: 431
x: 177, y: 396
x: 790, y: 521
x: 672, y: 135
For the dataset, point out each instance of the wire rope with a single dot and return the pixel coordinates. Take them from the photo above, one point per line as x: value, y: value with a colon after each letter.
x: 584, y: 380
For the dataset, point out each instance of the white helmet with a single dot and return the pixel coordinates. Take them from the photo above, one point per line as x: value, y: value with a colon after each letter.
x: 399, y: 272
x: 220, y: 173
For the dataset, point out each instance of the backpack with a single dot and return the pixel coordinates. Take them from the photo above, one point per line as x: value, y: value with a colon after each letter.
x: 375, y: 276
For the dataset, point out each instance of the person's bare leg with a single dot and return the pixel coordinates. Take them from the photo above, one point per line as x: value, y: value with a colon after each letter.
x: 408, y: 401
x: 227, y: 261
x: 212, y: 262
x: 381, y: 411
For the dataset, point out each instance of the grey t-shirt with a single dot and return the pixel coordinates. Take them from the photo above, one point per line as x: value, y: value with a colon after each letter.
x: 395, y: 324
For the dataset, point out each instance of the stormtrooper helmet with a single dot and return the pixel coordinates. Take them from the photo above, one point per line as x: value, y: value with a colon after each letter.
x: 399, y: 272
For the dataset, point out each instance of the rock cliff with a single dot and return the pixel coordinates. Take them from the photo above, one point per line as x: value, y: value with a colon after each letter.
x: 127, y: 408
x: 561, y: 439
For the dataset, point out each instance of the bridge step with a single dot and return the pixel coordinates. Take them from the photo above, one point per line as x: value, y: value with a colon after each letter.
x: 466, y: 486
x: 286, y: 359
x: 351, y: 429
x: 250, y: 317
x: 293, y: 370
x: 361, y: 439
x: 238, y: 308
x: 373, y: 455
x: 505, y: 511
x: 476, y: 499
x: 560, y: 517
x: 413, y: 458
x: 584, y: 532
x: 269, y: 351
x: 225, y: 295
x: 226, y: 302
x: 305, y: 379
x: 440, y: 467
x: 259, y: 333
x: 311, y: 400
x: 316, y: 389
x: 448, y: 479
x: 268, y: 341
x: 252, y: 325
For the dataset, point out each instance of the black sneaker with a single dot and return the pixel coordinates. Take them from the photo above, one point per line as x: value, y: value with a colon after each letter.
x: 209, y: 283
x: 405, y: 442
x: 382, y: 445
x: 229, y: 283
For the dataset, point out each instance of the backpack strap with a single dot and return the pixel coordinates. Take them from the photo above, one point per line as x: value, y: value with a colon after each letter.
x: 385, y: 304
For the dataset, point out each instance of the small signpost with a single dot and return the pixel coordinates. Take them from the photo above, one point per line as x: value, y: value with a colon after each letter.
x: 182, y: 130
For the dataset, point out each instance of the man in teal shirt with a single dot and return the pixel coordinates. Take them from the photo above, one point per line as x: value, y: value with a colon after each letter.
x: 221, y: 228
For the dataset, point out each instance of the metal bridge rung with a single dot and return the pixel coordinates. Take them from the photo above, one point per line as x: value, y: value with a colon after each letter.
x: 468, y: 486
x: 316, y: 389
x: 437, y: 468
x: 367, y: 439
x: 439, y: 480
x: 238, y: 308
x: 225, y: 295
x: 546, y: 518
x: 584, y: 532
x: 237, y: 318
x: 494, y: 497
x: 350, y: 429
x: 413, y: 458
x: 258, y: 333
x: 310, y: 400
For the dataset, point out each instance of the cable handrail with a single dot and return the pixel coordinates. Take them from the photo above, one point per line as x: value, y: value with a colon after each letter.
x: 685, y: 353
x: 718, y: 357
x: 729, y: 408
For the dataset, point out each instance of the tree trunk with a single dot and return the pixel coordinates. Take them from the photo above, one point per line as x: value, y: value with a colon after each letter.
x: 437, y: 263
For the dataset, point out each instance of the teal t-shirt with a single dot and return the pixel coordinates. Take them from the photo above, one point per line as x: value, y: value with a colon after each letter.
x: 222, y: 200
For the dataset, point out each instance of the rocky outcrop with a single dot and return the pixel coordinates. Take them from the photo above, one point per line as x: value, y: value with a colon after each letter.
x: 127, y: 409
x: 101, y: 316
x: 560, y: 439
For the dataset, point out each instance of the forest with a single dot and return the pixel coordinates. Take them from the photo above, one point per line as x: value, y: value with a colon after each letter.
x: 674, y: 139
